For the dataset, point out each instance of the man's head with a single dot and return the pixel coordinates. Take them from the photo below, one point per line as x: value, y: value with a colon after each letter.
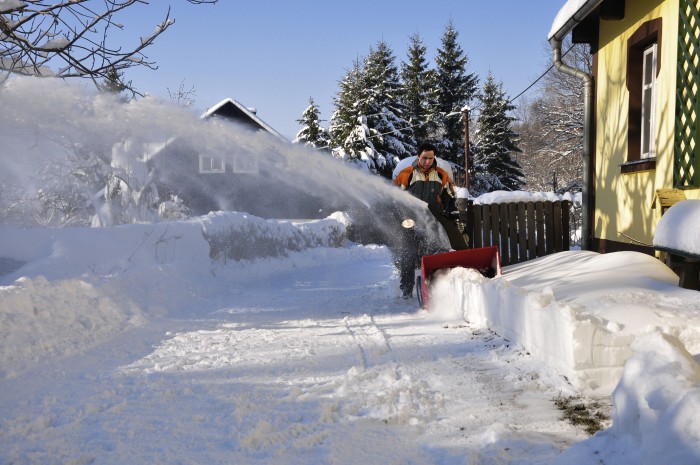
x: 426, y: 155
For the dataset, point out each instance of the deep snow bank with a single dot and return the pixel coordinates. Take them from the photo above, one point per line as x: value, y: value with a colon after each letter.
x: 578, y: 311
x: 65, y: 290
x: 655, y: 410
x: 40, y: 320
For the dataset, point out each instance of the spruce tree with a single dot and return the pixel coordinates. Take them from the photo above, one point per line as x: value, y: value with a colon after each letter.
x: 311, y: 133
x: 453, y: 90
x: 494, y: 167
x: 417, y: 80
x: 345, y: 114
x: 351, y: 139
x: 113, y: 82
x: 368, y: 124
x: 392, y: 135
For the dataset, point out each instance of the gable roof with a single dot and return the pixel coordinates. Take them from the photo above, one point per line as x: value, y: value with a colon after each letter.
x: 230, y: 108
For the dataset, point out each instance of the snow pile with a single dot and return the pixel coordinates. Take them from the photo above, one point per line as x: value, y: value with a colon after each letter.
x: 578, y: 311
x: 665, y: 405
x: 678, y: 228
x: 41, y: 320
x: 611, y: 324
x: 655, y: 409
x: 69, y: 289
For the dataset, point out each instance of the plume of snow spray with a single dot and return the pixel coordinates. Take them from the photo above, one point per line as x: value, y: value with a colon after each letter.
x: 46, y: 121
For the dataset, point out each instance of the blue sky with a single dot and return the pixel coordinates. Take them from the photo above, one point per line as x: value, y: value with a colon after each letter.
x: 274, y: 55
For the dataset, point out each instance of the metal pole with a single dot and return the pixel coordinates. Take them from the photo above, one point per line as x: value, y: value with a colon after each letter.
x: 465, y: 110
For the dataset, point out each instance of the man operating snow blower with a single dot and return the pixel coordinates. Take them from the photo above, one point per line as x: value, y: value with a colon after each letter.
x: 425, y: 180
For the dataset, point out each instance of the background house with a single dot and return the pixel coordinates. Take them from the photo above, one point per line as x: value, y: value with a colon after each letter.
x: 231, y: 181
x: 643, y: 128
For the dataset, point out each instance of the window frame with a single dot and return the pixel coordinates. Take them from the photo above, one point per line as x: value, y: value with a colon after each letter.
x: 647, y: 145
x: 206, y: 164
x: 645, y: 36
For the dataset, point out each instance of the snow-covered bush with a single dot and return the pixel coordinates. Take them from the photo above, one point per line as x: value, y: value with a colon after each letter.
x: 240, y: 236
x: 173, y: 209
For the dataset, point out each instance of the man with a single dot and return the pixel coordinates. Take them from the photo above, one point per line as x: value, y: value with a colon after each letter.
x: 425, y: 180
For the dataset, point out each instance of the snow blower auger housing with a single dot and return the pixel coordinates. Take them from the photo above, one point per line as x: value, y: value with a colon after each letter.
x: 486, y: 260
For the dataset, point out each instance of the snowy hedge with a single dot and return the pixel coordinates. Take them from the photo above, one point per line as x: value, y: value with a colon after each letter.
x: 240, y: 236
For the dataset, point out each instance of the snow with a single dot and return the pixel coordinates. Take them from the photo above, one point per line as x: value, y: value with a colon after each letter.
x: 229, y: 338
x: 578, y: 311
x: 10, y: 5
x: 570, y: 11
x: 58, y: 43
x: 131, y: 344
x: 678, y: 228
x: 520, y: 196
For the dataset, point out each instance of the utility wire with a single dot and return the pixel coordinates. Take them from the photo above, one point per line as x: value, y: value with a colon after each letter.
x: 539, y: 78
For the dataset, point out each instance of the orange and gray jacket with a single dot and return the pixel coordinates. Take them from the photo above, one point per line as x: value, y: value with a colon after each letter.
x: 433, y: 185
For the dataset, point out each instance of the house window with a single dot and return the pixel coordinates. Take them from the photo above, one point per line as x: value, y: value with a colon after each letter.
x: 211, y: 164
x: 643, y: 66
x: 244, y: 163
x: 648, y: 91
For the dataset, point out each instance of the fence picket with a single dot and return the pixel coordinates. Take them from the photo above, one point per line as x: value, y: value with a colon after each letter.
x: 522, y: 230
x: 513, y: 232
x: 521, y: 215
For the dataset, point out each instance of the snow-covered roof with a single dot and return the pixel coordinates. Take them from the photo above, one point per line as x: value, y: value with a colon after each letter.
x: 247, y: 112
x: 572, y: 13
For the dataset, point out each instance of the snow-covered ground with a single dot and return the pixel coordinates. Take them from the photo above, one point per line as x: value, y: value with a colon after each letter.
x: 233, y: 339
x: 131, y: 345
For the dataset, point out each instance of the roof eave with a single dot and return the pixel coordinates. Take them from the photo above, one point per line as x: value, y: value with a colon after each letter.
x: 569, y: 16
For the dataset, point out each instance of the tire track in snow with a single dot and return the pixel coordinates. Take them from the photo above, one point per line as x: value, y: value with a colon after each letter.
x: 378, y: 388
x: 371, y: 341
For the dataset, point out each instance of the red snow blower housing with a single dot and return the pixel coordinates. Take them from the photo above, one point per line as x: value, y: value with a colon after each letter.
x: 485, y: 260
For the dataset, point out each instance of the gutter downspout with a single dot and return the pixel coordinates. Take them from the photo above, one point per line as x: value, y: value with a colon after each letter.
x: 586, y: 235
x: 585, y: 9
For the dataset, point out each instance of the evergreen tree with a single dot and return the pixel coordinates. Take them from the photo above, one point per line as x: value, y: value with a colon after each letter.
x: 453, y: 90
x: 494, y: 166
x: 346, y: 112
x: 311, y: 133
x: 351, y: 138
x: 392, y: 135
x: 113, y: 82
x: 368, y: 125
x: 417, y: 80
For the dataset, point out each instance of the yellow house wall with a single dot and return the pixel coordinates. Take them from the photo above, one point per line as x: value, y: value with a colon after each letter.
x: 623, y: 201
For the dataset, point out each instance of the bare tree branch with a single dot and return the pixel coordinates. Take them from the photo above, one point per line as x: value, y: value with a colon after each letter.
x: 183, y: 97
x: 71, y: 38
x: 552, y: 129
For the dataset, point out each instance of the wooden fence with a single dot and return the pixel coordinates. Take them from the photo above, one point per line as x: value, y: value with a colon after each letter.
x: 522, y: 231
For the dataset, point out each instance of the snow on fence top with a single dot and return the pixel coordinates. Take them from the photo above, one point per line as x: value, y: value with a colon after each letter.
x: 518, y: 196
